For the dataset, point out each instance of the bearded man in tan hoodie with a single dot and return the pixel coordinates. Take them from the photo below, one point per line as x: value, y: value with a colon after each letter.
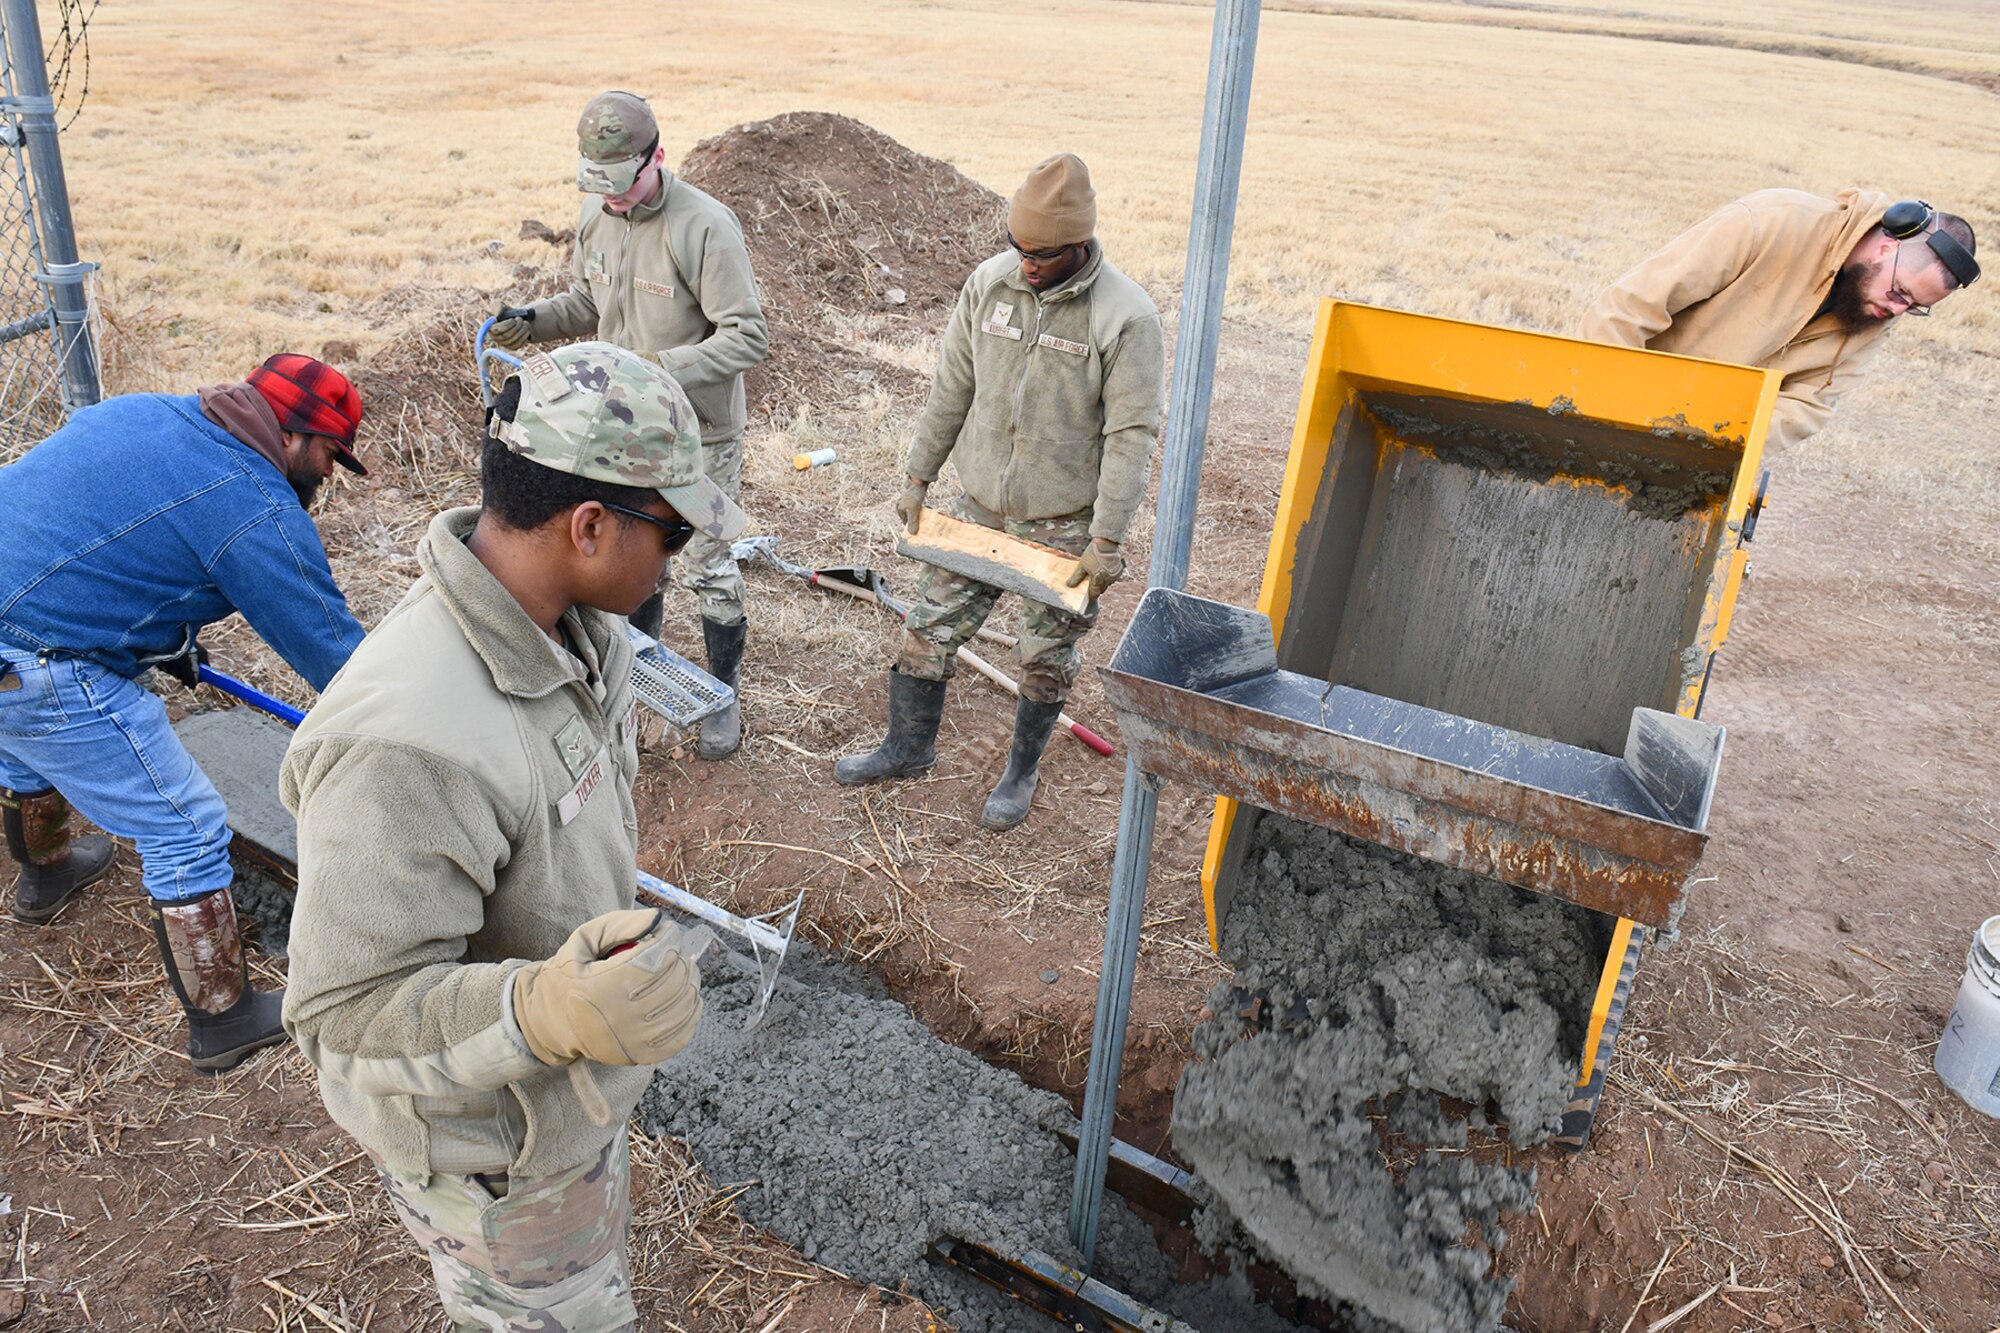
x: 1791, y: 282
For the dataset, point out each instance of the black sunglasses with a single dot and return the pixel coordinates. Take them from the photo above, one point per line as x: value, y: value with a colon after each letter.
x: 677, y: 529
x: 1039, y: 256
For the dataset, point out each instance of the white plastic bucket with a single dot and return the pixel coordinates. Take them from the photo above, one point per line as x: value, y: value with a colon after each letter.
x: 1968, y: 1055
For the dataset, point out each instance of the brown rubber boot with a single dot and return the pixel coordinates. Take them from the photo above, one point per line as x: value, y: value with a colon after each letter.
x: 227, y: 1020
x: 55, y: 867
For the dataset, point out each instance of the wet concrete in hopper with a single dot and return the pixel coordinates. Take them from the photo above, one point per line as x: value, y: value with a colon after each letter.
x: 867, y: 1138
x: 1653, y: 487
x: 1369, y: 982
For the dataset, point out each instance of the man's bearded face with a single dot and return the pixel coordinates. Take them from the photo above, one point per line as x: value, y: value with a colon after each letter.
x: 1853, y: 304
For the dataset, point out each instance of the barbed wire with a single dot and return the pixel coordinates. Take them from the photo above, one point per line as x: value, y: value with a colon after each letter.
x: 72, y: 39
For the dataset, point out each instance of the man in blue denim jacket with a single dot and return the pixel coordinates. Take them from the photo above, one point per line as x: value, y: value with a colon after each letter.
x: 144, y: 519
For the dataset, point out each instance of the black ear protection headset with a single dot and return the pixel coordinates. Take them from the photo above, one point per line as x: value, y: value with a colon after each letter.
x: 1910, y: 217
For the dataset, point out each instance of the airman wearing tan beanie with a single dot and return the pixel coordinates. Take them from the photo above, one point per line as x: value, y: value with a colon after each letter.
x: 1054, y: 207
x: 1046, y: 401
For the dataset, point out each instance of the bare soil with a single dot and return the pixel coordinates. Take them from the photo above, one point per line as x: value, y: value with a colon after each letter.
x: 1856, y: 846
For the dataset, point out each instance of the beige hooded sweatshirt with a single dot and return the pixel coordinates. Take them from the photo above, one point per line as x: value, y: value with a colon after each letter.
x: 1743, y: 286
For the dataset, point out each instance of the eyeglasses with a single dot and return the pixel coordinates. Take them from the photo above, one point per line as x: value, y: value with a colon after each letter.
x: 1038, y: 256
x: 1896, y: 292
x: 677, y: 529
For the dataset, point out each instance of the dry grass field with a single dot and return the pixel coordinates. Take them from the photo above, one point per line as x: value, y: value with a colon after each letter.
x: 351, y: 178
x: 254, y: 177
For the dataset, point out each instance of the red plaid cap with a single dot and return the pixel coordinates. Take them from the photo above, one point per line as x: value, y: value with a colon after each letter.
x: 313, y: 398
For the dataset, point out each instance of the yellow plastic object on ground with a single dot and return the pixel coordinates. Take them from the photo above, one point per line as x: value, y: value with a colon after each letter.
x: 1528, y: 530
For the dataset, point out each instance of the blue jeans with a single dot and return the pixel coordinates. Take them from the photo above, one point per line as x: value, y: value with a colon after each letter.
x: 105, y: 744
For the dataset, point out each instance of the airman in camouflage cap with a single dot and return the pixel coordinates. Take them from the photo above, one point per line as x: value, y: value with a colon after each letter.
x: 615, y: 136
x: 599, y: 411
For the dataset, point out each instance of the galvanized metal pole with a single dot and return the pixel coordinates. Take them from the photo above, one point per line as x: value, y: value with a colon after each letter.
x: 1232, y: 51
x: 64, y: 276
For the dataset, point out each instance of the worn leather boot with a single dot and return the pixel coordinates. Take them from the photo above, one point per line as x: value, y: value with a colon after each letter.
x: 1008, y: 805
x: 227, y: 1020
x: 649, y: 615
x: 722, y: 732
x: 55, y: 867
x: 915, y: 709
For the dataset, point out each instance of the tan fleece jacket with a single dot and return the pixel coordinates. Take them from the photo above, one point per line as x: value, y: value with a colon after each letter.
x: 464, y: 801
x: 671, y: 280
x: 1742, y: 286
x: 1048, y: 404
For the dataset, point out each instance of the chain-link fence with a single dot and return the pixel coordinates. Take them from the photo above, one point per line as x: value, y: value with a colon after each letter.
x: 35, y: 392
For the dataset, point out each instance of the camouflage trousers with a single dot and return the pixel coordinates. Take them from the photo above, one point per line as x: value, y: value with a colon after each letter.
x: 951, y: 608
x: 706, y: 567
x: 542, y: 1255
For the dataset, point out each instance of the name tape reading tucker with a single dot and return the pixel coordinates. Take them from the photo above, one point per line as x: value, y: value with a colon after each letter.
x: 572, y: 803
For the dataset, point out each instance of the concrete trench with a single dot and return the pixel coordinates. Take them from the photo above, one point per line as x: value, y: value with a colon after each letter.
x: 867, y: 1138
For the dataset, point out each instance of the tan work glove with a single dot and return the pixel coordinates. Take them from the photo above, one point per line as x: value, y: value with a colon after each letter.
x: 910, y: 504
x: 511, y: 331
x: 637, y: 1006
x: 1101, y: 564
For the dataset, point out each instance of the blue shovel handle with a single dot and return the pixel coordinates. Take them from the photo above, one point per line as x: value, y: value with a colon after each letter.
x: 251, y: 695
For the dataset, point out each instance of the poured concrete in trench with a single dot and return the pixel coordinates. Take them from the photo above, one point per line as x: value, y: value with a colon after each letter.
x: 1368, y: 984
x: 865, y: 1138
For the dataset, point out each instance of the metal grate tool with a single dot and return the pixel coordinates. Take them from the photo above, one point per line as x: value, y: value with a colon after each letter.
x: 672, y: 686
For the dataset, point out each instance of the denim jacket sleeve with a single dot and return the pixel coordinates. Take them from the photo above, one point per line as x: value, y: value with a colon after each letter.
x: 275, y: 572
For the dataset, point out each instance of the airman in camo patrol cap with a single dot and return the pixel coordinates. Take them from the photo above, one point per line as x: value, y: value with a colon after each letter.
x: 614, y: 137
x: 601, y: 412
x: 661, y: 269
x: 467, y: 850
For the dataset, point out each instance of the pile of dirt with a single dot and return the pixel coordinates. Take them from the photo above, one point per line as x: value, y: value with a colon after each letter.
x: 1369, y: 985
x: 838, y: 214
x: 849, y: 232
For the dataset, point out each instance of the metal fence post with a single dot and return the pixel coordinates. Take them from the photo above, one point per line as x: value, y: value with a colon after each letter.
x: 1232, y: 52
x: 64, y: 275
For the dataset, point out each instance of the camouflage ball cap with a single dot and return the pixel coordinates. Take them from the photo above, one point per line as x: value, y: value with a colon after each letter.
x: 601, y: 412
x: 614, y: 137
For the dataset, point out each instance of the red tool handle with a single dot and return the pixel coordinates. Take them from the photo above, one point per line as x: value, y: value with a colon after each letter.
x: 1090, y: 738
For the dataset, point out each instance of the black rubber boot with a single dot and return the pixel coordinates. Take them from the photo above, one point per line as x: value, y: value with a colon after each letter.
x: 203, y: 953
x: 722, y: 732
x: 649, y: 615
x: 55, y: 867
x: 1008, y: 805
x: 910, y: 747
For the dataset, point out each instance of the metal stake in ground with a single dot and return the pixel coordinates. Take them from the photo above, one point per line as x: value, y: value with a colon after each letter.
x: 1232, y: 51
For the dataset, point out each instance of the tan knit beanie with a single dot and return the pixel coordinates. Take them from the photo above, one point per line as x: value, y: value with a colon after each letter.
x: 1055, y: 206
